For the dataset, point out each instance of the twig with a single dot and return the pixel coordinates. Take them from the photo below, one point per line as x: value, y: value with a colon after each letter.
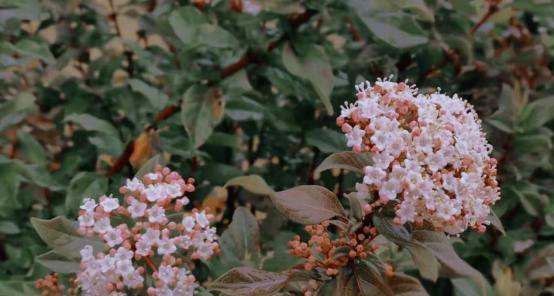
x: 243, y: 62
x: 354, y: 31
x: 150, y: 263
x: 493, y: 8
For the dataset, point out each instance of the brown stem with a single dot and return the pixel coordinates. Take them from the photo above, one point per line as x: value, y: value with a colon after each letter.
x: 354, y: 31
x: 493, y: 8
x: 150, y: 263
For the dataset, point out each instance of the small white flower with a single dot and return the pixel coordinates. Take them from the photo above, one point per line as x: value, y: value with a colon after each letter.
x: 205, y: 251
x: 86, y: 220
x: 151, y: 236
x: 154, y: 193
x: 173, y: 190
x: 251, y: 7
x: 134, y: 185
x: 202, y: 219
x: 113, y: 237
x: 88, y: 204
x: 123, y: 254
x: 156, y: 214
x: 189, y: 222
x: 143, y: 247
x: 166, y: 273
x: 354, y: 138
x: 166, y: 246
x: 109, y: 204
x: 124, y: 267
x: 136, y: 209
x: 390, y: 189
x: 152, y: 176
x: 103, y: 225
x: 373, y: 175
x: 86, y: 253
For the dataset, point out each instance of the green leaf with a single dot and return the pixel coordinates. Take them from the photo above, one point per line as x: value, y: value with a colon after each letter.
x: 313, y: 66
x: 32, y: 49
x: 13, y: 111
x: 452, y: 265
x: 225, y: 140
x: 326, y: 140
x: 527, y: 204
x: 61, y: 235
x: 252, y: 183
x: 369, y: 281
x: 537, y: 113
x: 18, y: 288
x: 58, y: 263
x: 398, y: 234
x: 495, y: 221
x: 157, y: 99
x: 31, y: 148
x: 470, y: 287
x: 241, y: 240
x: 244, y: 109
x: 308, y: 204
x: 348, y: 160
x: 419, y: 7
x: 425, y: 261
x: 355, y: 205
x: 509, y: 108
x: 247, y: 281
x: 502, y: 126
x: 150, y: 166
x: 84, y: 184
x: 8, y: 227
x: 192, y: 28
x: 9, y: 187
x: 36, y: 174
x: 105, y: 137
x: 202, y: 109
x: 405, y: 285
x: 93, y: 124
x: 391, y: 34
x: 423, y: 258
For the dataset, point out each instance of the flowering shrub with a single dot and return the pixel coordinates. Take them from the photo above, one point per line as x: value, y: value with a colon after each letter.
x: 430, y: 168
x: 95, y: 92
x: 429, y: 155
x: 148, y: 237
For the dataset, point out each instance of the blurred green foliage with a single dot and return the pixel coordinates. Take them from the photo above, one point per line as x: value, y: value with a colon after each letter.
x: 217, y: 89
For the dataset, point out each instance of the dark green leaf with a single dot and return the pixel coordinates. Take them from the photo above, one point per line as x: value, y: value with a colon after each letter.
x: 348, y: 160
x: 202, y: 109
x: 313, y: 65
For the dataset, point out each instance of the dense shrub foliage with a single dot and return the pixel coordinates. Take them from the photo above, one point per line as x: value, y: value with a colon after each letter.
x: 243, y: 96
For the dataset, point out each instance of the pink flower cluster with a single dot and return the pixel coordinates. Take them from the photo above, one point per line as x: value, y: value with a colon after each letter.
x: 147, y: 237
x: 430, y: 156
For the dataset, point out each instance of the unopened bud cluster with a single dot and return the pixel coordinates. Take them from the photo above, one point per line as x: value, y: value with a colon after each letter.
x: 329, y: 255
x: 50, y: 285
x: 147, y: 237
x: 430, y: 156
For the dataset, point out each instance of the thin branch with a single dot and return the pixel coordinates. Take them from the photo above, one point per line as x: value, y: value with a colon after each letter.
x: 354, y: 31
x: 493, y: 8
x: 249, y: 58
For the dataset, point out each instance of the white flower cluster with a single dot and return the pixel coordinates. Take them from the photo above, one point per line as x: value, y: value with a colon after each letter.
x: 151, y: 237
x: 430, y: 156
x: 104, y: 273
